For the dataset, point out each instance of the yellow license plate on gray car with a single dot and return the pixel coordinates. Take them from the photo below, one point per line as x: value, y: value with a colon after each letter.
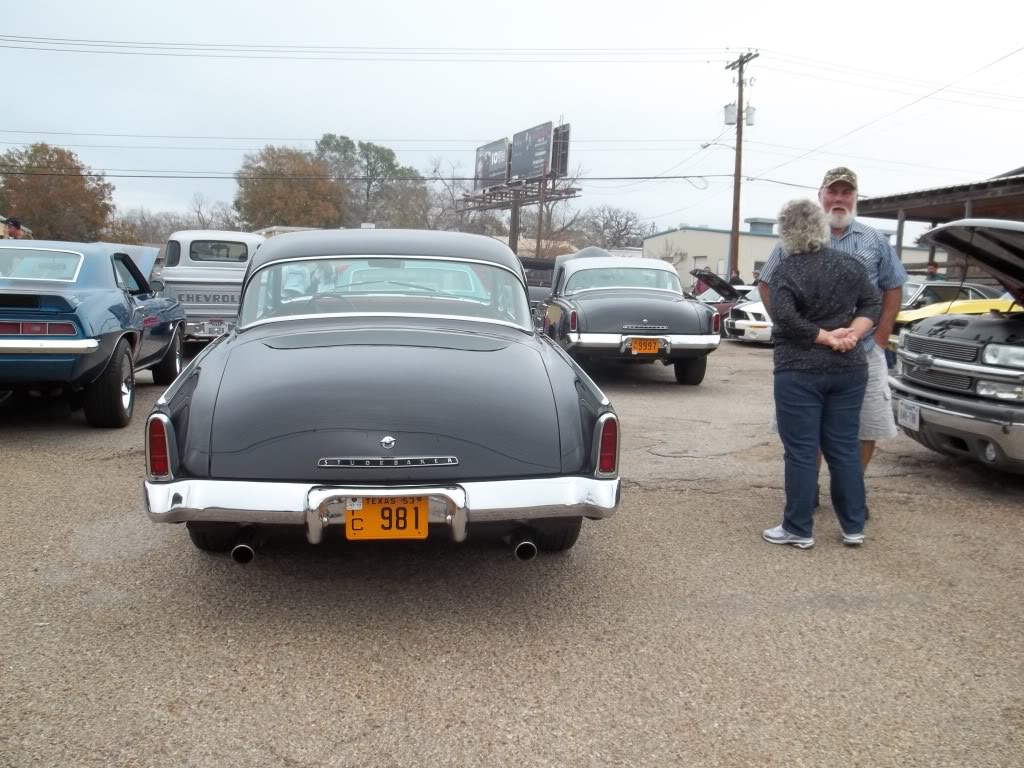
x: 645, y: 346
x: 386, y: 517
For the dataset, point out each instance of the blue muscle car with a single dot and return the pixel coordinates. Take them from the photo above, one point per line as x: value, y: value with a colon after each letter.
x: 78, y: 320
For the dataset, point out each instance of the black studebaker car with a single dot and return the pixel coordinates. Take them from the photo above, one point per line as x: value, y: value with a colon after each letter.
x: 629, y: 309
x: 958, y: 384
x: 412, y: 395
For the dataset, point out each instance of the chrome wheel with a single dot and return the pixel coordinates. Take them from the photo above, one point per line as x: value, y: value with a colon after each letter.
x: 128, y: 391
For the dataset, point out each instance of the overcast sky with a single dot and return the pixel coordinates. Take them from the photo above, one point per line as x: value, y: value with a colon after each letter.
x: 824, y: 70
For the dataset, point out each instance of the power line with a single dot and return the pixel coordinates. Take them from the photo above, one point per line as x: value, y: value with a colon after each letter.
x: 388, y: 58
x: 442, y: 49
x: 804, y: 61
x: 282, y: 177
x: 895, y: 111
x: 477, y: 142
x: 904, y: 91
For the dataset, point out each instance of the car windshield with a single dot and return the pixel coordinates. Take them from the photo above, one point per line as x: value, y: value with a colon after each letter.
x: 623, y: 277
x: 39, y: 264
x: 909, y: 289
x: 385, y: 285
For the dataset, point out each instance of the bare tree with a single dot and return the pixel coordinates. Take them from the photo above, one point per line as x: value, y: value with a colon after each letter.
x: 446, y: 198
x: 611, y: 227
x: 201, y: 210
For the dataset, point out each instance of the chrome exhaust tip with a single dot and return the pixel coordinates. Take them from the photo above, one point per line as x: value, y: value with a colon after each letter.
x: 525, y: 550
x: 243, y: 554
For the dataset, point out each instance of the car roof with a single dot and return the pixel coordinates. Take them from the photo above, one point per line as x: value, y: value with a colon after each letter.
x: 385, y: 242
x: 608, y: 262
x: 144, y: 257
x: 249, y: 238
x: 95, y: 269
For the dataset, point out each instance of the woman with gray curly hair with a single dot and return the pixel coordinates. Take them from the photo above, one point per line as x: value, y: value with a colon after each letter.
x: 823, y: 303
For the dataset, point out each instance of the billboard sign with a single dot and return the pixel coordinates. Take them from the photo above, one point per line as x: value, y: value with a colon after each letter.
x: 531, y: 153
x: 560, y: 152
x: 491, y: 164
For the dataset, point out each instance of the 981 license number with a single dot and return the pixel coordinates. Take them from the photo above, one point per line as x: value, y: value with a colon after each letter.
x: 387, y: 517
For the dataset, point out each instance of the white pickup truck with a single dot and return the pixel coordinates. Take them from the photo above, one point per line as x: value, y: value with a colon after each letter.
x: 203, y: 269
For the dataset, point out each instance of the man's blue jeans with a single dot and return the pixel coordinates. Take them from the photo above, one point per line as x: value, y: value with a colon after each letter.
x: 821, y: 410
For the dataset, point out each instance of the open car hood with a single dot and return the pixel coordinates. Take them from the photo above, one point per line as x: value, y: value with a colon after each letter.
x: 722, y: 287
x: 995, y: 245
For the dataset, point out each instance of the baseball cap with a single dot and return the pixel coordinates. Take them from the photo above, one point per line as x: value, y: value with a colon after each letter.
x: 842, y: 173
x: 14, y: 223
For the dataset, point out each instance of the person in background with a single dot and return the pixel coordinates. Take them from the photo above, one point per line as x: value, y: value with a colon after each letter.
x: 757, y: 278
x: 933, y: 271
x: 823, y: 303
x: 13, y: 229
x: 735, y: 279
x: 838, y: 198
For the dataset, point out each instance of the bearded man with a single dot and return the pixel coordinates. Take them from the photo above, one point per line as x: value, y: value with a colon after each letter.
x: 838, y: 197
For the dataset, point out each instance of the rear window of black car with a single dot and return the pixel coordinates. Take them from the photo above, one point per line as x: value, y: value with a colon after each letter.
x: 218, y: 250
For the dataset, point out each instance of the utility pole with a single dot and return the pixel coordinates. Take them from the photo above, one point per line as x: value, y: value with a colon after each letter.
x: 540, y: 215
x: 734, y: 242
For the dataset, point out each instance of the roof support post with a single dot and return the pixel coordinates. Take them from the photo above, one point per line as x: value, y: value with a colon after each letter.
x: 900, y: 221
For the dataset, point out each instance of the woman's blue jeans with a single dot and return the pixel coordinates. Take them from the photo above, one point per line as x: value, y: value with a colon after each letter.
x: 821, y: 410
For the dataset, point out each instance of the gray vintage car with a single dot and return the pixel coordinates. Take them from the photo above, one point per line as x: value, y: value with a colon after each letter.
x: 408, y: 393
x: 628, y: 309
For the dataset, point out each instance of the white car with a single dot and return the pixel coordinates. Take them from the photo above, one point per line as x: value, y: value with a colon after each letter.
x: 749, y: 322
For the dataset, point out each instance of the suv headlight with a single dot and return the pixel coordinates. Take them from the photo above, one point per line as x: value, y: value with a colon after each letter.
x: 1002, y: 354
x: 904, y: 332
x: 1001, y: 391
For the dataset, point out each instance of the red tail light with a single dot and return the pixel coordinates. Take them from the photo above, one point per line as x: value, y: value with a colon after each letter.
x: 158, y: 454
x: 572, y: 320
x: 39, y: 329
x: 608, y: 453
x: 716, y: 323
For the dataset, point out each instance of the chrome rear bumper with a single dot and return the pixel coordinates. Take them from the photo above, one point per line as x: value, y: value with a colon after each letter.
x: 621, y: 342
x: 318, y: 506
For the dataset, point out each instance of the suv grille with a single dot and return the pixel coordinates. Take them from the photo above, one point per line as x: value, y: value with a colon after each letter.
x: 947, y: 350
x: 940, y: 379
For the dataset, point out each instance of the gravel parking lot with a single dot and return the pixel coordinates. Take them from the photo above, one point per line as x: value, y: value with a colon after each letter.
x: 671, y: 634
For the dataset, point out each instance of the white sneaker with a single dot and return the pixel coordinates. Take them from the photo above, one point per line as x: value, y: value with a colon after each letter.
x: 779, y: 535
x: 853, y: 539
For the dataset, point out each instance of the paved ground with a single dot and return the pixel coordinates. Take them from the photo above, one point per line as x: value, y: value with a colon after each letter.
x: 671, y: 635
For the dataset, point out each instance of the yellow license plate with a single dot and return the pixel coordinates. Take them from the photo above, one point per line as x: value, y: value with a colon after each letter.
x: 645, y: 346
x: 386, y: 517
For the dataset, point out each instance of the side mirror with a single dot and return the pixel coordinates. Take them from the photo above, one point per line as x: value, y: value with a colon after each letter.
x: 156, y: 286
x: 922, y: 302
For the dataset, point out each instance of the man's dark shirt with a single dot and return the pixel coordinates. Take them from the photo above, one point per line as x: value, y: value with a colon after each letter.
x: 813, y: 291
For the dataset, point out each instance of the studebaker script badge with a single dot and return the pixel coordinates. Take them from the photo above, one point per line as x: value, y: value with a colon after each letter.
x: 370, y: 462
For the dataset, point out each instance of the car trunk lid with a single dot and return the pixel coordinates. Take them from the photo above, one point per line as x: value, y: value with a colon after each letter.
x: 317, y: 407
x: 722, y: 287
x: 636, y: 311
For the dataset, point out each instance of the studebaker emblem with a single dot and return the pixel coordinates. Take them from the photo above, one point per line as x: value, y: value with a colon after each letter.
x: 388, y: 442
x: 371, y: 462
